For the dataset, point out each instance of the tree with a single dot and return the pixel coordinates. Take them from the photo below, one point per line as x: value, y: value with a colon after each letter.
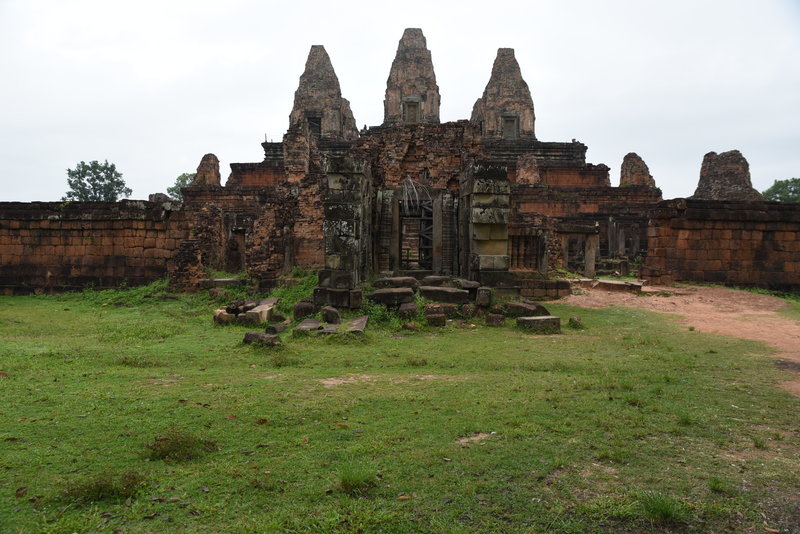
x: 94, y: 181
x: 784, y: 190
x: 184, y: 180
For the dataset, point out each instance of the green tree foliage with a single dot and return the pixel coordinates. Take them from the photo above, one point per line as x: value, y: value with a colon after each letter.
x: 184, y: 180
x: 95, y: 181
x: 784, y: 190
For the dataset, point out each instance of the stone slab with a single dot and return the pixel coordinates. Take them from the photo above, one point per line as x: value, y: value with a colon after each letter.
x: 525, y: 309
x: 436, y: 280
x: 308, y: 325
x: 396, y: 281
x: 545, y: 324
x: 357, y: 325
x: 445, y: 294
x: 392, y: 296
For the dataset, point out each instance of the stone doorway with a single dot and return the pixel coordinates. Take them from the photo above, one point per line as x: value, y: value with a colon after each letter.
x: 416, y: 239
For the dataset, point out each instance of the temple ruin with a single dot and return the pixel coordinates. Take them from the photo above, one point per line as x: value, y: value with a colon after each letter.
x: 482, y: 199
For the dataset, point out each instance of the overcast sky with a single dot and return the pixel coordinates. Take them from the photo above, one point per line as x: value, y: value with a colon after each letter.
x: 154, y: 85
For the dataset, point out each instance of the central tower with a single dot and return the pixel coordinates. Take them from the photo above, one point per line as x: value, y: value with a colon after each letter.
x: 412, y: 95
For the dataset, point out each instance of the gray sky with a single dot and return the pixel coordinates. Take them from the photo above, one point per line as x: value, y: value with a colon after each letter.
x: 154, y: 85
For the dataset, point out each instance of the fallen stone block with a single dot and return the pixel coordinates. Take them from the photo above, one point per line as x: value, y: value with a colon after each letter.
x: 276, y: 328
x: 329, y: 329
x: 483, y: 296
x: 407, y: 310
x: 303, y: 309
x: 467, y: 310
x: 438, y: 308
x: 331, y: 315
x: 357, y: 325
x: 544, y: 324
x: 461, y: 283
x: 261, y: 338
x: 339, y: 298
x: 437, y: 319
x: 494, y: 319
x: 223, y: 317
x: 525, y: 309
x: 260, y: 314
x: 307, y: 326
x: 445, y: 294
x: 356, y: 298
x: 392, y: 296
x: 396, y: 281
x: 434, y: 280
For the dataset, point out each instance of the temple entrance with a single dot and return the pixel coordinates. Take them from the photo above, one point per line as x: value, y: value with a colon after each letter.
x: 416, y: 240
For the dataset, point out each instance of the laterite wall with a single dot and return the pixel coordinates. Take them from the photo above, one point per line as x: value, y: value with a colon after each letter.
x: 54, y: 246
x: 723, y: 242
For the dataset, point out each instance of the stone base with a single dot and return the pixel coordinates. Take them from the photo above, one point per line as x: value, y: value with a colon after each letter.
x: 546, y: 324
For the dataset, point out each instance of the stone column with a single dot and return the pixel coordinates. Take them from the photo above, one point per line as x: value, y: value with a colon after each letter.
x: 592, y: 243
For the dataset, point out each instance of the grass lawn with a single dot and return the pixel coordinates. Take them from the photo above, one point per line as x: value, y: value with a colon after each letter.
x: 133, y: 414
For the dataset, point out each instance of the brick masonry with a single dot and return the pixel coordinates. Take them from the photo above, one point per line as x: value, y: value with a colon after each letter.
x: 725, y: 242
x: 53, y: 246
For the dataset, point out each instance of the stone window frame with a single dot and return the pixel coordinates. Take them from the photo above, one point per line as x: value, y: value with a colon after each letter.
x: 415, y: 99
x: 514, y: 115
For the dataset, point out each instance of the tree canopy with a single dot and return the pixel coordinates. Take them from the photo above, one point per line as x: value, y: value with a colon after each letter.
x: 784, y: 190
x: 184, y: 180
x: 96, y: 182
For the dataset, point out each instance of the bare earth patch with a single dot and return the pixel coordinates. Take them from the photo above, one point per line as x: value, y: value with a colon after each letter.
x: 353, y: 379
x: 477, y: 438
x: 717, y: 310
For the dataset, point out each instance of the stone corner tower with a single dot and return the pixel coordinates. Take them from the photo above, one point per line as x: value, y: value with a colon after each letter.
x: 318, y: 102
x: 505, y: 111
x: 412, y: 95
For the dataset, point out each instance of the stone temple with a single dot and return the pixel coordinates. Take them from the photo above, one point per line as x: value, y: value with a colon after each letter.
x: 481, y: 198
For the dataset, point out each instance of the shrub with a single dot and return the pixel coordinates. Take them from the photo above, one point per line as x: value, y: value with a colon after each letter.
x: 179, y: 444
x: 105, y: 487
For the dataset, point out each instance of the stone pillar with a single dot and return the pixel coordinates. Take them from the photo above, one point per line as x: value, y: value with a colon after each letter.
x: 591, y: 245
x: 437, y: 234
x: 486, y: 197
x: 346, y: 231
x: 394, y: 247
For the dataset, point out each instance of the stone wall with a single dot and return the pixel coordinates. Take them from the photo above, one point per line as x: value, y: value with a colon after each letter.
x: 725, y: 242
x: 53, y: 246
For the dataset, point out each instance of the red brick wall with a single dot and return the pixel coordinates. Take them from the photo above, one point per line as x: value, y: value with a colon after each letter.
x: 574, y: 202
x: 731, y: 243
x: 54, y: 246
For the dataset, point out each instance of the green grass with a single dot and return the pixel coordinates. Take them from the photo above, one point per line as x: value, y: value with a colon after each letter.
x: 633, y: 424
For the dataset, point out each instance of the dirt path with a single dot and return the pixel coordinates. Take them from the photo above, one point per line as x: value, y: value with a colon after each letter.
x: 718, y: 310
